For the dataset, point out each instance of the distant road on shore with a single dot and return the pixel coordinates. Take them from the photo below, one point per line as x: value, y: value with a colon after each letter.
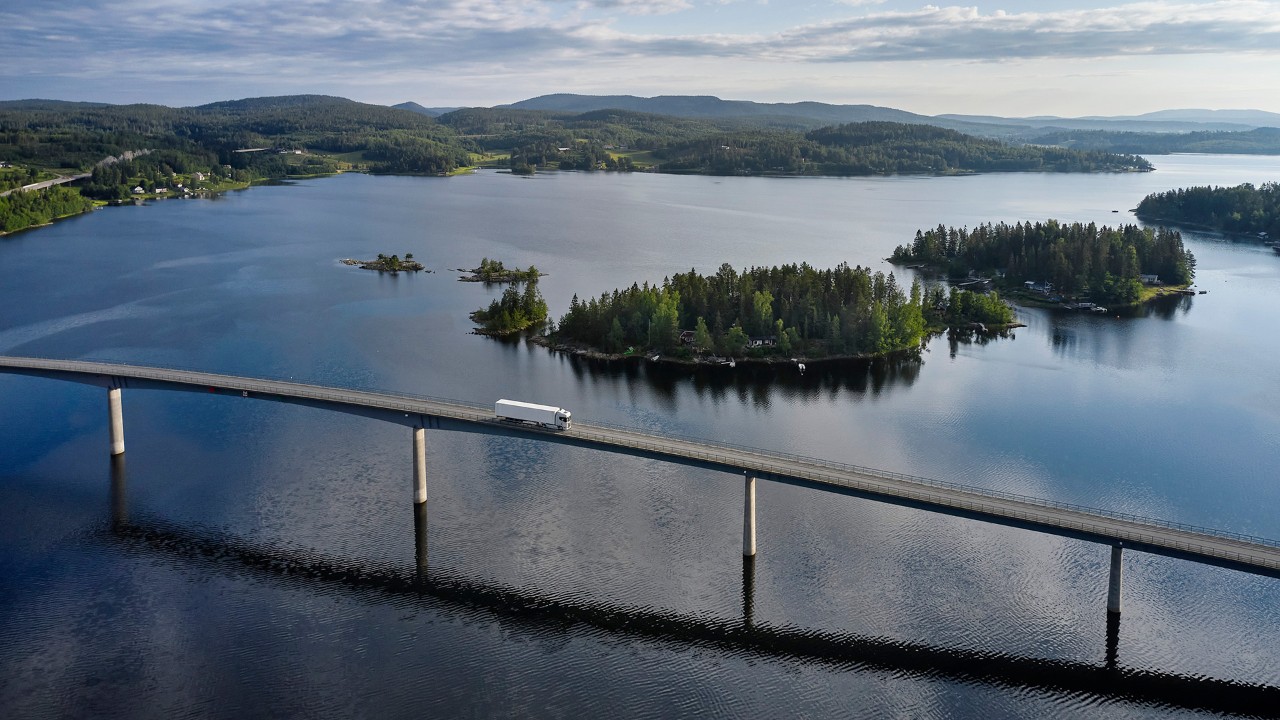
x: 47, y: 183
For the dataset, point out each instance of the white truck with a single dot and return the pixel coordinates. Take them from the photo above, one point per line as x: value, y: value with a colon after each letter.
x: 544, y: 415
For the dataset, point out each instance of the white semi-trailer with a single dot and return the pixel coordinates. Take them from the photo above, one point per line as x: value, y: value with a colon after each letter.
x: 544, y: 415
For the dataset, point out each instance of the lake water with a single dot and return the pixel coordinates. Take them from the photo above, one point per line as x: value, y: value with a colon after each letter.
x: 256, y: 558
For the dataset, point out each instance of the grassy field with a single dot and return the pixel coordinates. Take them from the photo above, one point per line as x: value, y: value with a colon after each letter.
x: 493, y: 159
x: 641, y: 158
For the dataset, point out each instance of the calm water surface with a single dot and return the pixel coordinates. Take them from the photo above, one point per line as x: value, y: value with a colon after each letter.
x: 259, y: 558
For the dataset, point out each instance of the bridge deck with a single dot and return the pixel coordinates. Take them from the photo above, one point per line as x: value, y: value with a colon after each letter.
x: 1255, y: 555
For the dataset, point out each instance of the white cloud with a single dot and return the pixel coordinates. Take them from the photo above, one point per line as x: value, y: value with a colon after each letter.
x: 268, y: 47
x: 638, y: 7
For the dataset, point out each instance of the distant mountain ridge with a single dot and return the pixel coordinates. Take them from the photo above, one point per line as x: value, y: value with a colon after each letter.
x: 429, y: 112
x: 802, y: 114
x: 814, y: 114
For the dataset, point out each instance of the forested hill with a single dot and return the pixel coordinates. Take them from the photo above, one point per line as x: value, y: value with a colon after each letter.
x: 335, y: 132
x: 78, y: 135
x: 879, y: 148
x: 797, y: 115
x: 1260, y: 141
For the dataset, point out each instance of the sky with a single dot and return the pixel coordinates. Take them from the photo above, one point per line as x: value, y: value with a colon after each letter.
x: 1051, y: 57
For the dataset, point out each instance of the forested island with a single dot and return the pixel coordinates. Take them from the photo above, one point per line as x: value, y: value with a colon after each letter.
x: 1058, y: 260
x: 388, y: 263
x: 792, y: 311
x: 1242, y: 209
x: 140, y: 151
x: 493, y: 271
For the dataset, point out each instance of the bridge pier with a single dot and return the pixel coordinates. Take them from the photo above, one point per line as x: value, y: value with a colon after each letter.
x: 1113, y: 586
x: 749, y: 518
x: 419, y: 465
x: 117, y: 420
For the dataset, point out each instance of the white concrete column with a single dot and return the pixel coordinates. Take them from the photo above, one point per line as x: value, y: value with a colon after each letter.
x: 419, y: 465
x: 1113, y: 587
x: 117, y: 421
x: 749, y: 519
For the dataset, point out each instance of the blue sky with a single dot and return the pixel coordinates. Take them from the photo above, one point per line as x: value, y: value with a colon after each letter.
x: 1059, y: 57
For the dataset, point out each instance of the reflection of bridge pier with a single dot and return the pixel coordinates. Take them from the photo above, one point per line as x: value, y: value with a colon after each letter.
x: 420, y: 540
x: 119, y: 493
x: 748, y: 592
x: 1113, y: 639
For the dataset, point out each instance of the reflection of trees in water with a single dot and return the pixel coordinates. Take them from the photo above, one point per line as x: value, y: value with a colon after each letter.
x: 1064, y: 341
x: 756, y: 383
x: 1108, y: 339
x: 1167, y: 308
x: 972, y: 336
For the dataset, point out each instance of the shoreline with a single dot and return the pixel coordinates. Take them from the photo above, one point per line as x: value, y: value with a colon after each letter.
x: 591, y: 353
x: 405, y: 266
x: 1020, y: 296
x: 511, y: 276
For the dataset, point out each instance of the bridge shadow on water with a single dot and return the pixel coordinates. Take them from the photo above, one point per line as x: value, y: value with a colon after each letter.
x: 448, y: 591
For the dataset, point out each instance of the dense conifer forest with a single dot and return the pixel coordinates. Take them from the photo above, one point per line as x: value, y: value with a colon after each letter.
x: 791, y: 310
x: 878, y: 148
x: 1240, y: 209
x: 1102, y: 262
x: 21, y: 210
x: 1259, y: 141
x: 515, y: 310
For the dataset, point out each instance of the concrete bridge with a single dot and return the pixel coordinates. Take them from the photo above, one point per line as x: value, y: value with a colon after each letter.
x: 1117, y: 530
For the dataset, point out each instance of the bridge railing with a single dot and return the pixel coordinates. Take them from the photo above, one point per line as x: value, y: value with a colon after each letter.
x: 734, y: 455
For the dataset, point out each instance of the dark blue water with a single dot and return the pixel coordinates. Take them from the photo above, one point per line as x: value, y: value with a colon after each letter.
x: 257, y: 558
